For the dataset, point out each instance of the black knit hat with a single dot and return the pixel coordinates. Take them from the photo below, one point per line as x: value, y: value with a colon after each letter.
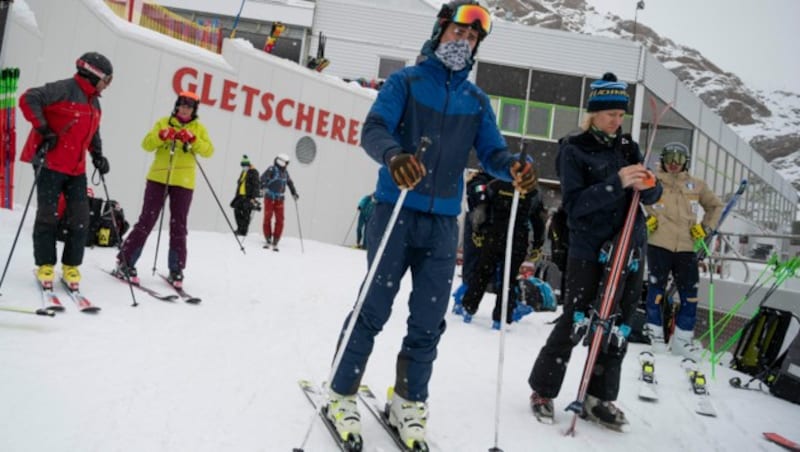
x: 608, y: 94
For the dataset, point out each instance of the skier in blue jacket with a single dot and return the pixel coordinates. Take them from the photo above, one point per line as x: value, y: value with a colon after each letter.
x: 431, y: 99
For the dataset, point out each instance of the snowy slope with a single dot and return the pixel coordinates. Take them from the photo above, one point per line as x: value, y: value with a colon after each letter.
x: 221, y: 376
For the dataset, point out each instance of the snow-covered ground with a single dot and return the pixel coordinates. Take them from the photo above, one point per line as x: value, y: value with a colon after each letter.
x: 222, y: 375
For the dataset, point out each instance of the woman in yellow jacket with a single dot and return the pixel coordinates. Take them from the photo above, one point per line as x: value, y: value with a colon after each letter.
x: 175, y: 139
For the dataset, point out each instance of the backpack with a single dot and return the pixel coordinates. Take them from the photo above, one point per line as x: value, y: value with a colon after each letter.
x: 535, y: 293
x: 104, y: 234
x: 95, y: 206
x: 769, y: 350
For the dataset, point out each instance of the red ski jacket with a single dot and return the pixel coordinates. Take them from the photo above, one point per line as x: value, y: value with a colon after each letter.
x: 71, y: 109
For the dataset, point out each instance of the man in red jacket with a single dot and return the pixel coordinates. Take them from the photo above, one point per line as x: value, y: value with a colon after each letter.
x: 65, y: 119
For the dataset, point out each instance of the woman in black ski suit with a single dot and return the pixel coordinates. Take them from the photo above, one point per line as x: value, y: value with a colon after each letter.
x: 599, y: 170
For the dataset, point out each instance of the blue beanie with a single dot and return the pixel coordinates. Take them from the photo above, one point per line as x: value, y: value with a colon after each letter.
x: 608, y: 94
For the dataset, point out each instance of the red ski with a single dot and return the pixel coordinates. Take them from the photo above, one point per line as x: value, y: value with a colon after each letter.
x: 782, y: 441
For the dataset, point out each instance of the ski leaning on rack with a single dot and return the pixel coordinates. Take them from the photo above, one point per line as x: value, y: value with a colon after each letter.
x: 698, y: 385
x: 182, y: 293
x: 144, y: 289
x: 83, y: 303
x: 618, y: 259
x: 647, y: 388
x: 380, y: 412
x: 315, y: 396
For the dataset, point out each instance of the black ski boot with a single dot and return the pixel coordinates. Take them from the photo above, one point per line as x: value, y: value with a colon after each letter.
x: 604, y: 413
x: 176, y: 278
x: 542, y: 408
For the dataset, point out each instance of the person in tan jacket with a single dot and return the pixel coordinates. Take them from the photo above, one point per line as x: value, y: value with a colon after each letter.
x: 673, y: 228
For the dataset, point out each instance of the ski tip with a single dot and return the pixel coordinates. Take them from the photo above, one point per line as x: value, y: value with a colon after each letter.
x: 45, y: 312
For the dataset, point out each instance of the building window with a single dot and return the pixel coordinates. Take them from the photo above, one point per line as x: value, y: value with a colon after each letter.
x: 538, y: 120
x: 388, y: 66
x: 511, y: 115
x: 565, y: 121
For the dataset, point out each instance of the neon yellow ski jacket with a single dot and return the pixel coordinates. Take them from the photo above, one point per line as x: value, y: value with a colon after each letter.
x: 181, y: 167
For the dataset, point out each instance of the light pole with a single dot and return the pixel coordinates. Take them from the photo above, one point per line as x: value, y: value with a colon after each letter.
x: 639, y: 5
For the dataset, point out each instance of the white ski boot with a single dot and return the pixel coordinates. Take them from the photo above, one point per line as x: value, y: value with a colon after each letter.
x: 342, y: 411
x: 409, y: 418
x: 683, y: 345
x: 656, y: 335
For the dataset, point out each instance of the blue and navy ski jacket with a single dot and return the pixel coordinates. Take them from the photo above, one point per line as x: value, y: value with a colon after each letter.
x: 592, y: 193
x: 428, y: 99
x: 274, y: 181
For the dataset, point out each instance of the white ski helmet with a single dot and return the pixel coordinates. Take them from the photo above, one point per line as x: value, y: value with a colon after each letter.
x: 282, y: 160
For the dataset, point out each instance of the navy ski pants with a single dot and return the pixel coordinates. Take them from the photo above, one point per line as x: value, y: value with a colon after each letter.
x: 683, y: 267
x: 426, y: 244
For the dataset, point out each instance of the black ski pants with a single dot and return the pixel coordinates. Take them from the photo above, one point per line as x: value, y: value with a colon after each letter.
x: 48, y: 188
x: 491, y: 258
x: 582, y: 282
x: 242, y: 211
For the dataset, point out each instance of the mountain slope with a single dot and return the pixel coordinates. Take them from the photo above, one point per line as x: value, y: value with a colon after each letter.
x: 768, y: 120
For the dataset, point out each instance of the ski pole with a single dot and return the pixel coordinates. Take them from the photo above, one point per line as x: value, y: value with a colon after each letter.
x: 40, y: 159
x: 39, y: 311
x: 164, y: 203
x: 512, y: 220
x: 230, y: 226
x: 299, y: 229
x: 40, y: 155
x: 784, y: 271
x: 347, y: 234
x: 115, y: 228
x: 725, y: 320
x: 424, y: 142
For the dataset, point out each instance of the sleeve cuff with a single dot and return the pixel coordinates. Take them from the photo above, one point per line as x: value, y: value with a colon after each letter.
x: 389, y: 155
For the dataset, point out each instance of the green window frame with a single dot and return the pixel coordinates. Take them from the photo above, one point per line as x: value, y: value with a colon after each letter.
x: 503, y: 115
x: 544, y: 108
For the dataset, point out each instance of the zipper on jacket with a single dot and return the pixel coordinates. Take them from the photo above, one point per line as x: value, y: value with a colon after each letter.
x: 441, y: 130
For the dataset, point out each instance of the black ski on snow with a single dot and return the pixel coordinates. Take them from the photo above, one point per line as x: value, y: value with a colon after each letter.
x: 313, y: 394
x: 83, y: 303
x: 182, y: 293
x: 380, y: 412
x: 647, y: 389
x: 144, y: 289
x: 698, y: 385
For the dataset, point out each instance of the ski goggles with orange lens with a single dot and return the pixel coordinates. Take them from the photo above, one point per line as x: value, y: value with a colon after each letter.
x: 469, y: 14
